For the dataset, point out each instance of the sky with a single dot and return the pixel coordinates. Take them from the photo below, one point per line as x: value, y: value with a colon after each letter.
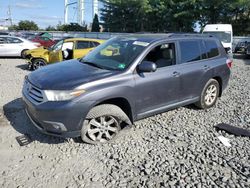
x: 42, y: 12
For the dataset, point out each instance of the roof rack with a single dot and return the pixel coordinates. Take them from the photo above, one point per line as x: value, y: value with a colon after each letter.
x: 188, y: 35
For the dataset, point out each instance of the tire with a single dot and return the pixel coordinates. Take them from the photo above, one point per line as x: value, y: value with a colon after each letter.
x: 209, y: 94
x: 103, y: 123
x: 38, y: 63
x: 23, y: 53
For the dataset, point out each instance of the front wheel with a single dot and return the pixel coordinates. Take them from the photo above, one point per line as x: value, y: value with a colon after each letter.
x: 103, y: 123
x: 209, y: 94
x: 38, y: 63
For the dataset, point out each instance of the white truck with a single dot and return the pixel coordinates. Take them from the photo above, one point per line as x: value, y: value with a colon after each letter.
x: 224, y: 32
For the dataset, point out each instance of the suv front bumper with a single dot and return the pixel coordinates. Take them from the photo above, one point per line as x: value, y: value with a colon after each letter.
x: 64, y: 119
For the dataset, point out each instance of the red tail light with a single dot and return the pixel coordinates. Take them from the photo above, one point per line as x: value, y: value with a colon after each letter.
x: 229, y: 63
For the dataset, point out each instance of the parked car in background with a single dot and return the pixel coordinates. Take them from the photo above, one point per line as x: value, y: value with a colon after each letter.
x: 4, y: 33
x: 43, y: 40
x: 63, y: 50
x: 15, y: 46
x: 241, y: 47
x: 224, y: 32
x: 248, y: 51
x: 96, y: 96
x: 27, y: 35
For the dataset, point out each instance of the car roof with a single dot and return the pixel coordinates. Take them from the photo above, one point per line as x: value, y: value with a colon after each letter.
x: 83, y: 39
x: 150, y: 38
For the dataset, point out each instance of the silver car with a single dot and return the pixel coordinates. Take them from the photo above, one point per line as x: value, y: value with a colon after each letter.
x: 15, y: 46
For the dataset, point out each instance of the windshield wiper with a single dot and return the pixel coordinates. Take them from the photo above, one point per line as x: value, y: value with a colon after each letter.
x: 92, y: 64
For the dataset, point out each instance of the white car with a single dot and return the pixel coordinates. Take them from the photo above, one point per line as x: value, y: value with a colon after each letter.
x: 15, y: 46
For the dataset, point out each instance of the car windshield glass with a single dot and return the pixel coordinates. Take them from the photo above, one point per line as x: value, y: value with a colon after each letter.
x: 57, y: 46
x: 116, y: 54
x: 223, y: 36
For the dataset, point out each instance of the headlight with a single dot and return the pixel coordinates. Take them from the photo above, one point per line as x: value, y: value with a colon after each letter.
x: 57, y: 95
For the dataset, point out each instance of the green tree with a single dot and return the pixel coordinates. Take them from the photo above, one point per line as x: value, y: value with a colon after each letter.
x: 13, y: 28
x: 174, y: 15
x: 50, y: 28
x: 27, y: 25
x: 72, y: 27
x: 148, y: 15
x: 124, y: 16
x: 95, y: 24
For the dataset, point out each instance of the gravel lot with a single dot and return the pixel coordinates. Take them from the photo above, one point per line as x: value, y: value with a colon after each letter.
x: 179, y: 148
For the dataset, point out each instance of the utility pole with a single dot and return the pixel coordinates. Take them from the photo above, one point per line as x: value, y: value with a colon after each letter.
x: 66, y: 8
x: 9, y: 15
x: 81, y: 12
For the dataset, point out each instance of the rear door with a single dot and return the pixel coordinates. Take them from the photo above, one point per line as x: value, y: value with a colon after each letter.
x: 82, y: 48
x: 194, y: 67
x: 3, y: 43
x: 14, y: 46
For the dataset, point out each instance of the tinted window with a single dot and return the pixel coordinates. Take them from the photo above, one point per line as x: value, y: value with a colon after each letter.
x: 13, y: 40
x: 190, y: 51
x: 162, y: 55
x: 212, y: 48
x: 82, y: 45
x: 95, y: 44
x: 2, y: 40
x: 203, y: 50
x: 45, y: 38
x: 91, y: 44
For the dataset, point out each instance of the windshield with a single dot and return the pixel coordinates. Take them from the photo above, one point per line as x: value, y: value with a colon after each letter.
x: 223, y: 36
x: 57, y: 46
x: 116, y: 54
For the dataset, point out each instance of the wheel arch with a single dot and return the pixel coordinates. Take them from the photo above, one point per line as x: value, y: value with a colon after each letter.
x: 23, y: 50
x: 35, y: 58
x: 219, y: 80
x: 122, y: 103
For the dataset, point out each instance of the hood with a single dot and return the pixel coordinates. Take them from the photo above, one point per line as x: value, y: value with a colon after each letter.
x: 66, y: 75
x: 37, y: 51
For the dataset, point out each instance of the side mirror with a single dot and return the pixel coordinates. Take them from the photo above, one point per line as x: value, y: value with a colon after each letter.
x: 147, y: 66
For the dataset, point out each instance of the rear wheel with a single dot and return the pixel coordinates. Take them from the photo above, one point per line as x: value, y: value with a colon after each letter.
x: 209, y: 94
x: 103, y: 123
x: 38, y: 63
x: 23, y: 53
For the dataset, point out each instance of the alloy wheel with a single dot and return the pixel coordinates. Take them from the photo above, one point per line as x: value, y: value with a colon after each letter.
x: 211, y: 95
x: 102, y: 129
x: 38, y: 64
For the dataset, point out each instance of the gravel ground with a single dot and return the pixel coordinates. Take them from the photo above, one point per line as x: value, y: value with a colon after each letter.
x: 179, y: 148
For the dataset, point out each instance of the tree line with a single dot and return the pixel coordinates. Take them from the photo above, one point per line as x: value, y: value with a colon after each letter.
x: 161, y: 16
x: 174, y: 15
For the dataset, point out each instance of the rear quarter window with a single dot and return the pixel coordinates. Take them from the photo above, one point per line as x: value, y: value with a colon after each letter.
x: 190, y: 51
x: 82, y: 45
x: 212, y: 48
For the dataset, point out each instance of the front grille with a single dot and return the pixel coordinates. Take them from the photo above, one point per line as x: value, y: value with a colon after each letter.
x: 33, y: 92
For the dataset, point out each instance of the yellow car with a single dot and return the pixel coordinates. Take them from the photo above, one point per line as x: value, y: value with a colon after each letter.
x: 72, y: 48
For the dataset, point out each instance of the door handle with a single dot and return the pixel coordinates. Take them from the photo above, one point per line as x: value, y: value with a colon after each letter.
x: 176, y: 74
x: 206, y: 67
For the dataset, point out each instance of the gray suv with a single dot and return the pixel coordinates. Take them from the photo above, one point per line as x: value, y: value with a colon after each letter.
x: 123, y: 80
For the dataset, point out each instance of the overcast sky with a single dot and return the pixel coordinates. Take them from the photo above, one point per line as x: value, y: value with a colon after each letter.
x: 42, y: 12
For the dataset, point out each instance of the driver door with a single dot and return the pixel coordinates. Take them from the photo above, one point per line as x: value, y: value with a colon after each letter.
x: 57, y: 54
x: 157, y: 90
